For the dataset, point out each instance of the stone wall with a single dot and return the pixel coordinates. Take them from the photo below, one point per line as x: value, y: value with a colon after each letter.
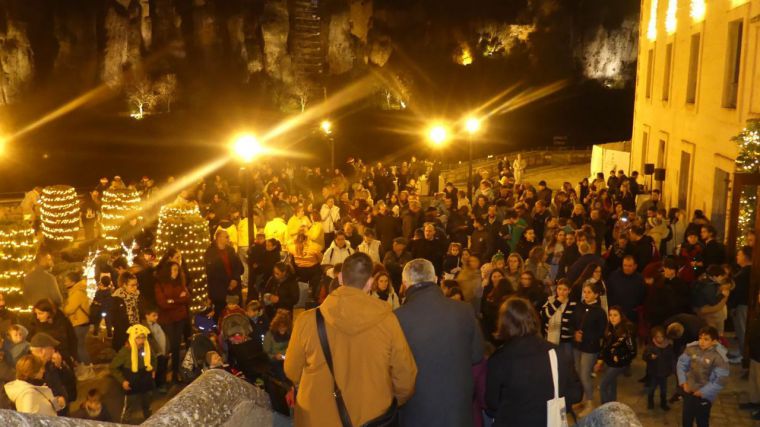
x: 216, y: 398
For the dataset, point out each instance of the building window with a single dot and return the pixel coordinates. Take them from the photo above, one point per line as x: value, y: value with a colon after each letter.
x: 644, y: 148
x: 668, y: 65
x: 691, y: 83
x: 733, y: 60
x: 650, y: 70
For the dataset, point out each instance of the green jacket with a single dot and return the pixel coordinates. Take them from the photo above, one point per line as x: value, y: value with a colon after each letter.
x: 123, y: 361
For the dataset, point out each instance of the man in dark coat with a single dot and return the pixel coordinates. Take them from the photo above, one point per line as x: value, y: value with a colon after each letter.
x: 587, y: 258
x: 445, y: 340
x: 387, y: 227
x: 644, y: 248
x: 625, y: 288
x: 223, y: 269
x: 431, y: 248
x: 715, y: 252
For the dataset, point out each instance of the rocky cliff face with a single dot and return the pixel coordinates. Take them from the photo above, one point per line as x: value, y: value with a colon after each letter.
x: 295, y: 46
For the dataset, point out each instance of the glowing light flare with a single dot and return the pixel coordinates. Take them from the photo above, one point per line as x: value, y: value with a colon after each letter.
x: 698, y: 10
x: 671, y: 22
x: 652, y: 27
x: 737, y: 3
x: 3, y: 145
x: 438, y: 134
x: 247, y: 147
x: 472, y: 125
x: 326, y: 127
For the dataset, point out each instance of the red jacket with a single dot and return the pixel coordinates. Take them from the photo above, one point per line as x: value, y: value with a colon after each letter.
x: 173, y: 307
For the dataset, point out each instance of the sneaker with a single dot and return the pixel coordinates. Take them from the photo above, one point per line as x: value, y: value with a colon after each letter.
x: 749, y: 406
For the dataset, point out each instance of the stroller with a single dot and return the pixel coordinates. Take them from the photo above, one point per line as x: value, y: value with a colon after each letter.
x: 195, y: 358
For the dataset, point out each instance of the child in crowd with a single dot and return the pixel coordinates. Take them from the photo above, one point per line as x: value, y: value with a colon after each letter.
x: 702, y: 371
x: 452, y: 262
x: 276, y: 341
x: 255, y: 312
x: 133, y: 369
x: 660, y: 358
x: 233, y: 306
x: 92, y: 408
x: 158, y: 344
x: 215, y: 361
x: 16, y: 346
x: 101, y: 304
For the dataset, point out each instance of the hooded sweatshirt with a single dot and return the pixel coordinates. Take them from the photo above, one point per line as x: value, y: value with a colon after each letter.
x: 31, y: 399
x: 367, y: 346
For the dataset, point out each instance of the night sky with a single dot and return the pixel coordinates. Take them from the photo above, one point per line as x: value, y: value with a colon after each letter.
x: 215, y: 96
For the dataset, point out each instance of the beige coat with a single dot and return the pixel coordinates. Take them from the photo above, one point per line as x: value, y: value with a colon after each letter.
x: 372, y: 360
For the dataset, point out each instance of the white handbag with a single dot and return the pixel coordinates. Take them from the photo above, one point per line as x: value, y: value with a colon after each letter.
x: 556, y: 413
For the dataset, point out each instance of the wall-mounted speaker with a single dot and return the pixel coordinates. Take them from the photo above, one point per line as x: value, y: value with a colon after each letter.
x: 659, y: 174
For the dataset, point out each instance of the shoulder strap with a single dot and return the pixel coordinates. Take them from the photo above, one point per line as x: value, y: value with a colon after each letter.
x: 555, y: 373
x: 345, y: 419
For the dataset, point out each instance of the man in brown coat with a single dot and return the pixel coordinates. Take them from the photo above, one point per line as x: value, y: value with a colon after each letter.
x: 371, y: 357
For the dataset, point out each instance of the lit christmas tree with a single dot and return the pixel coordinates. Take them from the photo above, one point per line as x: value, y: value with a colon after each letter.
x: 184, y: 228
x: 119, y: 206
x: 59, y: 213
x: 17, y: 249
x: 748, y: 161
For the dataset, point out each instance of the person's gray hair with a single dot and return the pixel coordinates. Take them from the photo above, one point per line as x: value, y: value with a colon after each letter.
x: 417, y: 271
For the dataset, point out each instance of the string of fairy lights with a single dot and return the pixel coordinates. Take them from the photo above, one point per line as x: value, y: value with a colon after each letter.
x: 17, y: 249
x: 748, y: 161
x: 186, y: 230
x: 59, y: 213
x: 118, y: 206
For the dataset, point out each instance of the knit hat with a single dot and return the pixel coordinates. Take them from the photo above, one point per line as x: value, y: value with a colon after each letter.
x: 135, y: 331
x: 42, y: 340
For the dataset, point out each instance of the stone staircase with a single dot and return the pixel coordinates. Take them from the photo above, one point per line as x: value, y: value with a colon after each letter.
x: 306, y: 40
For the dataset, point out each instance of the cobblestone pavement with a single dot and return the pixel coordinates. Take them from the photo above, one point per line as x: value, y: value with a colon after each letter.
x: 725, y: 411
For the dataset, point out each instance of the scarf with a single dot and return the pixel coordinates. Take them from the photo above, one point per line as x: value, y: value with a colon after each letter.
x: 383, y: 295
x: 131, y: 302
x: 135, y: 331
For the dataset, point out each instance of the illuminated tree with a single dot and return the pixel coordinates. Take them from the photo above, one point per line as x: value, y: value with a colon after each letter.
x: 184, y: 228
x: 17, y: 249
x: 119, y: 206
x: 59, y: 213
x: 748, y: 161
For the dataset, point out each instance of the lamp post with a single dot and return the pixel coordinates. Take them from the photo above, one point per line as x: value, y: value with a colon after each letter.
x: 246, y: 148
x: 471, y: 125
x: 326, y: 127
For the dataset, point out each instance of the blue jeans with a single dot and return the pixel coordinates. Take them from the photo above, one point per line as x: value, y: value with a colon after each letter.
x: 739, y: 317
x: 81, y: 333
x: 584, y: 364
x: 608, y: 386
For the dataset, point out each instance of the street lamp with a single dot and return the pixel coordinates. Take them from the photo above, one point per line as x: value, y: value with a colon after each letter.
x: 471, y: 125
x: 438, y: 134
x: 246, y: 147
x: 326, y: 127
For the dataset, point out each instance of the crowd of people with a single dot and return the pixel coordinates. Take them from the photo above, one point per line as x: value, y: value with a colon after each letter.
x: 373, y: 295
